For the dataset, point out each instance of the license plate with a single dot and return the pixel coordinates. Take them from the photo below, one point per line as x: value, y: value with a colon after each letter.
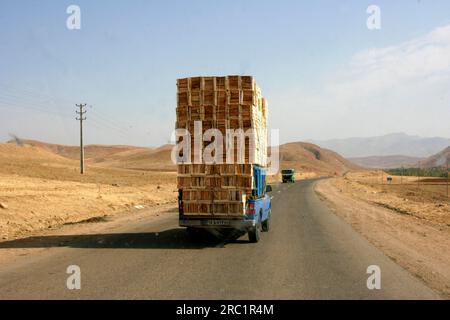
x: 217, y: 222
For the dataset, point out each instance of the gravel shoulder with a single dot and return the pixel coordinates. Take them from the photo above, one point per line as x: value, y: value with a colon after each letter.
x: 421, y: 246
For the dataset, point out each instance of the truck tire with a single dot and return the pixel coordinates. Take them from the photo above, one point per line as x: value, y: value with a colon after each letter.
x: 266, y: 223
x: 254, y: 234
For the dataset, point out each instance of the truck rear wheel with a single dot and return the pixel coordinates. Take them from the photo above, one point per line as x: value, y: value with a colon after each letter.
x: 266, y: 224
x: 254, y: 234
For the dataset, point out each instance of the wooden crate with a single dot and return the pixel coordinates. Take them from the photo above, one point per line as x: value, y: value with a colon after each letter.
x: 247, y: 83
x: 183, y: 85
x: 234, y: 110
x: 183, y: 98
x: 248, y: 97
x: 182, y: 113
x: 234, y: 208
x: 209, y: 97
x: 195, y: 98
x: 209, y: 112
x: 221, y: 83
x: 221, y: 98
x: 196, y: 113
x: 222, y: 125
x: 195, y: 83
x: 180, y: 125
x: 208, y: 84
x: 234, y: 96
x: 233, y: 82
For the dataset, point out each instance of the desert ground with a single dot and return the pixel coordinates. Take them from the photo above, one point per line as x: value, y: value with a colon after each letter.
x: 40, y: 189
x: 409, y: 222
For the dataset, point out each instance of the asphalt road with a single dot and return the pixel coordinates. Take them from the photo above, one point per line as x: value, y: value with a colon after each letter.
x: 309, y: 253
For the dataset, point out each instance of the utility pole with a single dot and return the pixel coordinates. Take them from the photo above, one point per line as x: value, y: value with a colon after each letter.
x: 401, y: 176
x: 447, y: 177
x: 418, y: 176
x: 81, y: 119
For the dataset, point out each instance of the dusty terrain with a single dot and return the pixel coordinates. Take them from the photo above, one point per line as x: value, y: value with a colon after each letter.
x: 424, y: 199
x: 93, y: 152
x: 411, y: 226
x: 40, y: 189
x: 387, y: 162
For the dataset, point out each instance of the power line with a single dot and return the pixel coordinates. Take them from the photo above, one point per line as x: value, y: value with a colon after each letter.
x: 110, y: 120
x: 99, y: 125
x: 15, y: 104
x: 109, y: 124
x: 11, y: 103
x: 32, y: 94
x: 447, y: 177
x: 20, y: 98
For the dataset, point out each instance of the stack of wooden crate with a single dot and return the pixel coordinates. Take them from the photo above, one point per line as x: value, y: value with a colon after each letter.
x: 232, y: 102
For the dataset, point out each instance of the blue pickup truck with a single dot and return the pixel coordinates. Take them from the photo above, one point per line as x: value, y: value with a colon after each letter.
x: 255, y: 219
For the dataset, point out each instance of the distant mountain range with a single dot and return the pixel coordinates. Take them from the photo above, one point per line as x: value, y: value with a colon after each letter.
x: 387, y: 162
x: 304, y: 157
x: 438, y: 160
x: 388, y: 145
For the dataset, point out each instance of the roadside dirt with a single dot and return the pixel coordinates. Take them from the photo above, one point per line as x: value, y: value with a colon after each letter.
x: 41, y: 190
x: 38, y: 204
x: 426, y: 202
x: 414, y: 234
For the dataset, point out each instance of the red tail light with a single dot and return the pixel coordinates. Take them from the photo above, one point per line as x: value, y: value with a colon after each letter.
x: 251, y: 209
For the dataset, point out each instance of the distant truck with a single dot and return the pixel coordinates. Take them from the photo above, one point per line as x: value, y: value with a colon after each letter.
x: 288, y: 175
x: 256, y: 217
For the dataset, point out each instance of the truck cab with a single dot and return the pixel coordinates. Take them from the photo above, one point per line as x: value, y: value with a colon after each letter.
x: 254, y: 220
x: 288, y: 175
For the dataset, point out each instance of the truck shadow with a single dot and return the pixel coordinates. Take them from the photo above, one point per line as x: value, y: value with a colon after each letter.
x: 168, y: 239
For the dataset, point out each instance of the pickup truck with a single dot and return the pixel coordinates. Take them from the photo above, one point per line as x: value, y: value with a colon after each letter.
x: 256, y: 217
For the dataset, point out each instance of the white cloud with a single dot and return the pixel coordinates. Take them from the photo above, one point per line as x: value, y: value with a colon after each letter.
x: 403, y: 87
x: 374, y: 70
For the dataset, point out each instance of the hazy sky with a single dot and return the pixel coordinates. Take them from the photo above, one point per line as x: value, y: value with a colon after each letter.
x: 324, y: 73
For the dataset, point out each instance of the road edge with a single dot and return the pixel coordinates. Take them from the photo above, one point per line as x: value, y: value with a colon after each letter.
x: 415, y: 271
